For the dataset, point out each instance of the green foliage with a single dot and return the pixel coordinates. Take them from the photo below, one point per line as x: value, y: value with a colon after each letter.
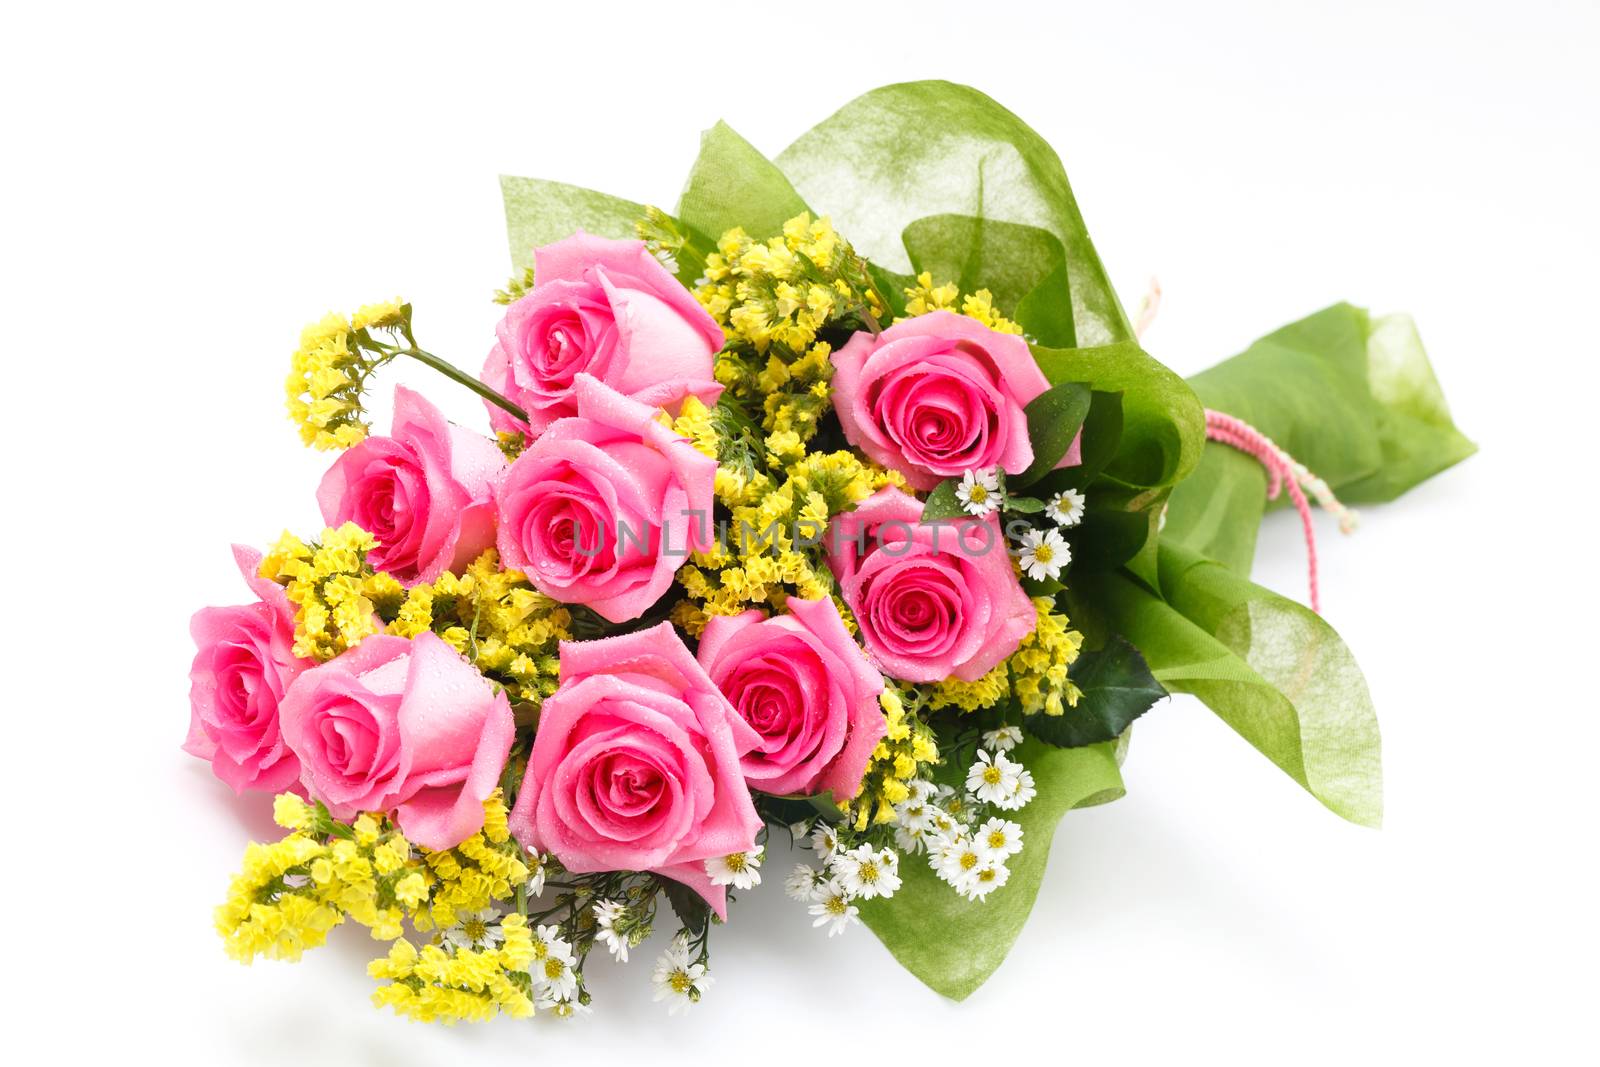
x: 942, y: 502
x: 690, y: 908
x: 1117, y: 688
x: 1054, y: 418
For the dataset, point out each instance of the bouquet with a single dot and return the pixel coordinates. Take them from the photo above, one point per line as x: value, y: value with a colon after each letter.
x: 839, y: 507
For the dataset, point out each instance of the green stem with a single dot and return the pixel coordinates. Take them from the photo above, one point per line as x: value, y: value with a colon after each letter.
x: 456, y: 374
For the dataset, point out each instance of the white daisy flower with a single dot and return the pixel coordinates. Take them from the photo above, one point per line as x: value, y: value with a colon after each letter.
x: 738, y: 869
x: 607, y: 915
x: 921, y: 790
x: 552, y: 966
x: 1066, y: 507
x: 833, y: 908
x: 800, y: 829
x: 941, y: 824
x: 1022, y: 790
x: 1044, y: 553
x: 979, y: 492
x: 998, y: 840
x: 824, y: 842
x: 866, y: 874
x: 985, y: 880
x: 560, y: 1007
x: 678, y: 978
x: 993, y: 778
x: 912, y: 839
x: 914, y: 814
x: 956, y: 861
x: 1003, y: 739
x: 802, y: 883
x: 535, y: 864
x: 477, y: 930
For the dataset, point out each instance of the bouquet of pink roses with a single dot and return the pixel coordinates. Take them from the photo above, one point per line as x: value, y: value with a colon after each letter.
x: 873, y: 530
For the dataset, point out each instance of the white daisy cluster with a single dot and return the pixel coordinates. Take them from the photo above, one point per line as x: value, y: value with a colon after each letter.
x: 967, y: 845
x: 847, y: 875
x: 1045, y: 553
x: 964, y: 833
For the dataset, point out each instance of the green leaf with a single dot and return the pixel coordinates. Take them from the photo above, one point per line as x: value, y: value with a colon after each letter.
x: 954, y: 945
x: 690, y: 908
x: 1352, y: 398
x: 540, y: 212
x: 1117, y: 688
x: 1270, y: 668
x: 1028, y: 505
x: 906, y: 152
x: 1163, y: 424
x: 1054, y: 418
x: 731, y: 184
x: 942, y: 502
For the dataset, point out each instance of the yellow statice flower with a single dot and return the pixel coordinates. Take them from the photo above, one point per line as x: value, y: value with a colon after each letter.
x: 289, y: 894
x: 495, y: 618
x: 773, y: 545
x: 925, y: 297
x: 1039, y: 666
x: 772, y: 299
x: 329, y: 371
x: 908, y: 748
x: 337, y: 596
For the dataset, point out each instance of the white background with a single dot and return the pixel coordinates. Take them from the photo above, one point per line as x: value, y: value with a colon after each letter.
x: 184, y: 188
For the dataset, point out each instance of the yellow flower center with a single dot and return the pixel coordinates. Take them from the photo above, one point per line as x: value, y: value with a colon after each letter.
x: 680, y: 981
x: 837, y: 905
x: 1043, y: 554
x: 969, y: 860
x: 997, y: 839
x: 991, y: 775
x: 554, y: 968
x: 977, y: 494
x: 475, y: 929
x: 868, y: 872
x: 735, y: 862
x: 986, y: 875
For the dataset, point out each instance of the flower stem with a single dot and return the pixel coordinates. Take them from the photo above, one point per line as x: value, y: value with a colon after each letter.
x: 456, y: 374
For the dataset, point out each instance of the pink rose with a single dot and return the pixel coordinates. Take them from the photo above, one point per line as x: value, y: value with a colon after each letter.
x: 635, y: 766
x: 423, y: 492
x: 801, y: 683
x: 933, y: 600
x: 604, y: 507
x: 938, y: 395
x: 605, y: 308
x: 243, y: 665
x: 402, y: 726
